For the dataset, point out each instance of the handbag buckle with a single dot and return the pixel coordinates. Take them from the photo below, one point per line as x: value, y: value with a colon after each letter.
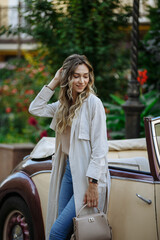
x: 91, y: 219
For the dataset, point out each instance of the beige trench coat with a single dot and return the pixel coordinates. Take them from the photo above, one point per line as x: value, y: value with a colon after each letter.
x: 87, y: 155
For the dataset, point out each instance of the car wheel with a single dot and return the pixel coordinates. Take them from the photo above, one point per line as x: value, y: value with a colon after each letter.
x: 15, y: 221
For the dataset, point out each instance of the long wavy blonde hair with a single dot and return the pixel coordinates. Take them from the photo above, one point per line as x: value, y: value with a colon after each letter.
x: 67, y: 110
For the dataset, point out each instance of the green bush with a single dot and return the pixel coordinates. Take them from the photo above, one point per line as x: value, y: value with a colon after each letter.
x: 149, y: 49
x: 89, y: 27
x: 116, y: 115
x: 16, y: 92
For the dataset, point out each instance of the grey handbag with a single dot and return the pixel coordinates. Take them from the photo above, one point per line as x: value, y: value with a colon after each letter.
x: 91, y: 227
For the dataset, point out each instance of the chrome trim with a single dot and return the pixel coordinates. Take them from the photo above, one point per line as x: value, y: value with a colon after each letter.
x: 124, y: 164
x: 144, y: 199
x: 153, y: 123
x: 156, y: 182
x: 156, y: 119
x: 26, y: 157
x: 39, y: 172
x: 132, y: 179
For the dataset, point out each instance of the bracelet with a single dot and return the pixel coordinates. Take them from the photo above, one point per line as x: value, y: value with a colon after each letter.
x: 49, y: 88
x: 92, y: 180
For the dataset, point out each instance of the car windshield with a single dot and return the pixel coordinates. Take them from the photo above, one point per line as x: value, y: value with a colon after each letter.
x: 157, y: 133
x: 157, y: 130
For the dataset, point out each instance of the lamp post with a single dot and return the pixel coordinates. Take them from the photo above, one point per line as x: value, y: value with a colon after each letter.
x: 19, y: 34
x: 132, y: 106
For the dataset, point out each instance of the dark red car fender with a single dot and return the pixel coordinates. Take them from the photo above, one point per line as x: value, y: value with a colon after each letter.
x: 21, y: 184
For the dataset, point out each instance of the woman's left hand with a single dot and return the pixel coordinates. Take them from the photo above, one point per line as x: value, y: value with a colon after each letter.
x: 91, y: 195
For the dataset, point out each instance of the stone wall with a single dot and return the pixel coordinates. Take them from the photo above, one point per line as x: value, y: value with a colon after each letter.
x: 11, y: 155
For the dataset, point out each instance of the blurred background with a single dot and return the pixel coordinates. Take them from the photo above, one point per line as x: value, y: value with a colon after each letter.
x: 37, y: 35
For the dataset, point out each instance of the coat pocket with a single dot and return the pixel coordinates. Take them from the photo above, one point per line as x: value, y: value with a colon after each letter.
x: 84, y: 127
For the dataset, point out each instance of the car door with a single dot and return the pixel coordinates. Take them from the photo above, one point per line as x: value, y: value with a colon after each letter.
x: 134, y: 209
x: 131, y: 217
x: 152, y: 126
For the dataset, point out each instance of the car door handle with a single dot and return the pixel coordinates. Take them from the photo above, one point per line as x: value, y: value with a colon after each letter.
x: 143, y: 199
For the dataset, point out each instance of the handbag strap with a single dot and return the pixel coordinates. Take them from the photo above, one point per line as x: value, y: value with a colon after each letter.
x: 78, y: 215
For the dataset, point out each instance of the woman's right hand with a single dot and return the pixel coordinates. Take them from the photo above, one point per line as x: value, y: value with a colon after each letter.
x: 55, y: 82
x: 58, y: 74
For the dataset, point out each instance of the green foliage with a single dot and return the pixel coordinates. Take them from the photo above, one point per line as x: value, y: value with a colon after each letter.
x: 151, y: 101
x: 18, y: 87
x: 149, y: 54
x: 115, y: 118
x: 116, y: 115
x: 89, y: 27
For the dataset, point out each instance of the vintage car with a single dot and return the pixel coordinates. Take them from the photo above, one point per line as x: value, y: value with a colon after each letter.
x: 134, y: 202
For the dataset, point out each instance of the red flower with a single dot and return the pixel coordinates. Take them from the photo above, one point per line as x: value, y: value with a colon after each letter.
x: 14, y: 91
x: 41, y: 68
x: 32, y: 121
x: 25, y: 109
x: 43, y: 134
x: 142, y: 77
x: 26, y: 100
x: 8, y: 110
x: 20, y: 69
x: 29, y: 92
x: 106, y: 110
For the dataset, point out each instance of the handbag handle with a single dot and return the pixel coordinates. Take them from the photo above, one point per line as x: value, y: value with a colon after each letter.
x: 84, y: 207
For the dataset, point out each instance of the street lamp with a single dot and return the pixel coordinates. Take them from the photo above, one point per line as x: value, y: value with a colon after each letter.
x: 133, y: 107
x: 19, y: 34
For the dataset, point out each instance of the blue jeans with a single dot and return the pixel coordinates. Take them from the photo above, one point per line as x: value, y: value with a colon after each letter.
x: 63, y: 226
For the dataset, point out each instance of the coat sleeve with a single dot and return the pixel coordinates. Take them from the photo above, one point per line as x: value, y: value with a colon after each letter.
x: 99, y: 145
x: 39, y: 106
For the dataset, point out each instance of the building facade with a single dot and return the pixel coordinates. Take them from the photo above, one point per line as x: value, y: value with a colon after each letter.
x: 11, y: 13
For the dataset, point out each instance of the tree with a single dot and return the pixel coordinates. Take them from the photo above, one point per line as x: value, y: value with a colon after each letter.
x: 89, y: 27
x: 149, y: 56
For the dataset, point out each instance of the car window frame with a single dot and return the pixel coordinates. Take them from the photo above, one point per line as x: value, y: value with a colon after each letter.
x: 151, y: 148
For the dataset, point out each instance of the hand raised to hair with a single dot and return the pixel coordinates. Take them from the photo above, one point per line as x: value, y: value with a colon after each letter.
x: 55, y: 82
x: 58, y: 74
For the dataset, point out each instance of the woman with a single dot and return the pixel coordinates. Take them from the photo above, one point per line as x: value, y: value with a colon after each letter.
x: 79, y: 170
